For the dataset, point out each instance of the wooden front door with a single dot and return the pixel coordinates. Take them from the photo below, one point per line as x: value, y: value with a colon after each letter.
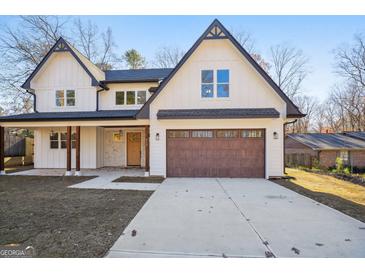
x: 134, y: 149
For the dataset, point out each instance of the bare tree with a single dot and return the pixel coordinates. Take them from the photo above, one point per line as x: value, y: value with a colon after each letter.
x: 351, y: 61
x: 245, y: 39
x: 168, y: 57
x: 308, y: 105
x: 22, y: 47
x: 289, y: 68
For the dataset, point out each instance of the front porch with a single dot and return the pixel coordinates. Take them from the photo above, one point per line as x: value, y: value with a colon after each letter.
x: 122, y: 148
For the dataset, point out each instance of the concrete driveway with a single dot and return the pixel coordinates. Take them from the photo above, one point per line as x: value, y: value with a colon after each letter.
x: 188, y: 217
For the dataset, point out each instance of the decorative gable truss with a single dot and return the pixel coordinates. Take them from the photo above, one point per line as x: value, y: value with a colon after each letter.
x: 216, y: 33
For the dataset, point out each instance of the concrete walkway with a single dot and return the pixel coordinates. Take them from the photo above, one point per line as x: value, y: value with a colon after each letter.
x: 237, y: 218
x: 104, y: 178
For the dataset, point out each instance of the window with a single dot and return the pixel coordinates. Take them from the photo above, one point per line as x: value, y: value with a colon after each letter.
x: 141, y: 97
x: 131, y: 98
x: 207, y: 84
x: 64, y: 140
x: 53, y: 138
x: 227, y: 133
x: 178, y: 134
x: 202, y: 134
x: 223, y: 83
x: 70, y: 98
x: 252, y: 133
x: 60, y: 98
x: 119, y: 98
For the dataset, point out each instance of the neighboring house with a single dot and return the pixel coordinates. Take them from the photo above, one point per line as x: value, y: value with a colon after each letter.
x: 301, y: 149
x: 216, y: 114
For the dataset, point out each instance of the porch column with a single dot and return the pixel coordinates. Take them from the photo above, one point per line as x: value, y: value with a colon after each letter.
x: 68, y: 149
x: 147, y: 150
x: 78, y: 172
x: 2, y: 148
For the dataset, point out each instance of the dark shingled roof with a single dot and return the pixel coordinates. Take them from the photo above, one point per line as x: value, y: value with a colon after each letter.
x: 66, y: 116
x: 328, y: 141
x: 356, y: 134
x: 136, y: 75
x: 223, y: 113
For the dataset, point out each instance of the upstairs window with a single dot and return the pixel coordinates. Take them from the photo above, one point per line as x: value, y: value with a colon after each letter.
x: 218, y: 86
x: 141, y: 97
x: 131, y: 98
x: 119, y: 98
x: 60, y: 98
x: 207, y: 83
x: 223, y: 83
x: 65, y: 99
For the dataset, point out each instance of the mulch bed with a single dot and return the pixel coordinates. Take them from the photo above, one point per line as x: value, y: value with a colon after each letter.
x: 64, y: 222
x: 140, y: 179
x: 352, y: 209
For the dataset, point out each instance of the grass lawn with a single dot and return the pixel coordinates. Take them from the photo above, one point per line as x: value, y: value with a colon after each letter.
x: 64, y: 222
x: 341, y: 195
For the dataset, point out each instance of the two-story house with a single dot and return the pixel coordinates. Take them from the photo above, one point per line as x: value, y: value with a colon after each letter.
x: 216, y: 114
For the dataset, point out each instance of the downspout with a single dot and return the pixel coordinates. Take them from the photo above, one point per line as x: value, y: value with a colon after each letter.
x: 34, y: 100
x: 287, y: 123
x: 97, y: 95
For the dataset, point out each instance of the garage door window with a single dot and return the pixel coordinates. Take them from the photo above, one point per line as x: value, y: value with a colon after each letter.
x: 202, y: 134
x: 227, y: 133
x: 179, y: 134
x: 252, y: 133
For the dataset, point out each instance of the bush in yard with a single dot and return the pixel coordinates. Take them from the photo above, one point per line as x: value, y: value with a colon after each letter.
x: 339, y: 165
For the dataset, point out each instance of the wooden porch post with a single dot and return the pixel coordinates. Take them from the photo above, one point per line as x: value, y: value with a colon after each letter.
x: 147, y: 150
x: 78, y: 173
x: 68, y: 149
x: 2, y: 148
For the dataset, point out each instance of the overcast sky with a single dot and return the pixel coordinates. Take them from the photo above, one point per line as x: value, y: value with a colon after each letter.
x: 317, y: 36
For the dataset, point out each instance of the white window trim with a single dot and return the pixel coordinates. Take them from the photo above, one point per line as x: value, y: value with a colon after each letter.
x: 215, y: 86
x: 65, y: 97
x: 59, y: 140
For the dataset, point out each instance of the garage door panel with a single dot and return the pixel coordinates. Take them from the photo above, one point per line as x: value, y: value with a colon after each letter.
x: 216, y: 156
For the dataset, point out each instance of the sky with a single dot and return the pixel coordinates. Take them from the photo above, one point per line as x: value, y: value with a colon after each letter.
x: 316, y: 36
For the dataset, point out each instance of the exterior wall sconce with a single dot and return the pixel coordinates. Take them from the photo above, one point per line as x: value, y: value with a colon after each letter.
x: 157, y: 136
x: 276, y: 135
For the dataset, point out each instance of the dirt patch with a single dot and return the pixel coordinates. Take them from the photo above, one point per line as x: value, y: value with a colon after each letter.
x: 352, y: 209
x: 64, y: 222
x: 136, y: 179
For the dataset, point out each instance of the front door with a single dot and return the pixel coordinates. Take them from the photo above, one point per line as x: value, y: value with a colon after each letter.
x: 134, y: 149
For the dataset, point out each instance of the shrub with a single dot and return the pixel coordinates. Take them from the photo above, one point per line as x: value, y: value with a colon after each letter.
x: 339, y: 165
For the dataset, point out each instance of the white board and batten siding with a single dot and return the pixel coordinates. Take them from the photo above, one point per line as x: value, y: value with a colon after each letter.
x: 62, y: 72
x: 45, y: 157
x: 247, y: 90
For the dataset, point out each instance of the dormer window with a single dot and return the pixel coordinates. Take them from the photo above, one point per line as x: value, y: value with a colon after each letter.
x: 218, y: 86
x: 68, y: 100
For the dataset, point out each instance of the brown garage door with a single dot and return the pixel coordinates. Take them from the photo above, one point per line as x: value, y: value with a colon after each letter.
x: 216, y: 153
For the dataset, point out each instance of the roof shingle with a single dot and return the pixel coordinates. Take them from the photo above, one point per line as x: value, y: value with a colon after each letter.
x: 136, y: 75
x: 65, y: 116
x: 224, y: 113
x: 328, y: 141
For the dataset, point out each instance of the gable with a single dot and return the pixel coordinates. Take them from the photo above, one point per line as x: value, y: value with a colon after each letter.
x: 60, y: 70
x: 216, y: 31
x: 246, y: 88
x: 61, y: 46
